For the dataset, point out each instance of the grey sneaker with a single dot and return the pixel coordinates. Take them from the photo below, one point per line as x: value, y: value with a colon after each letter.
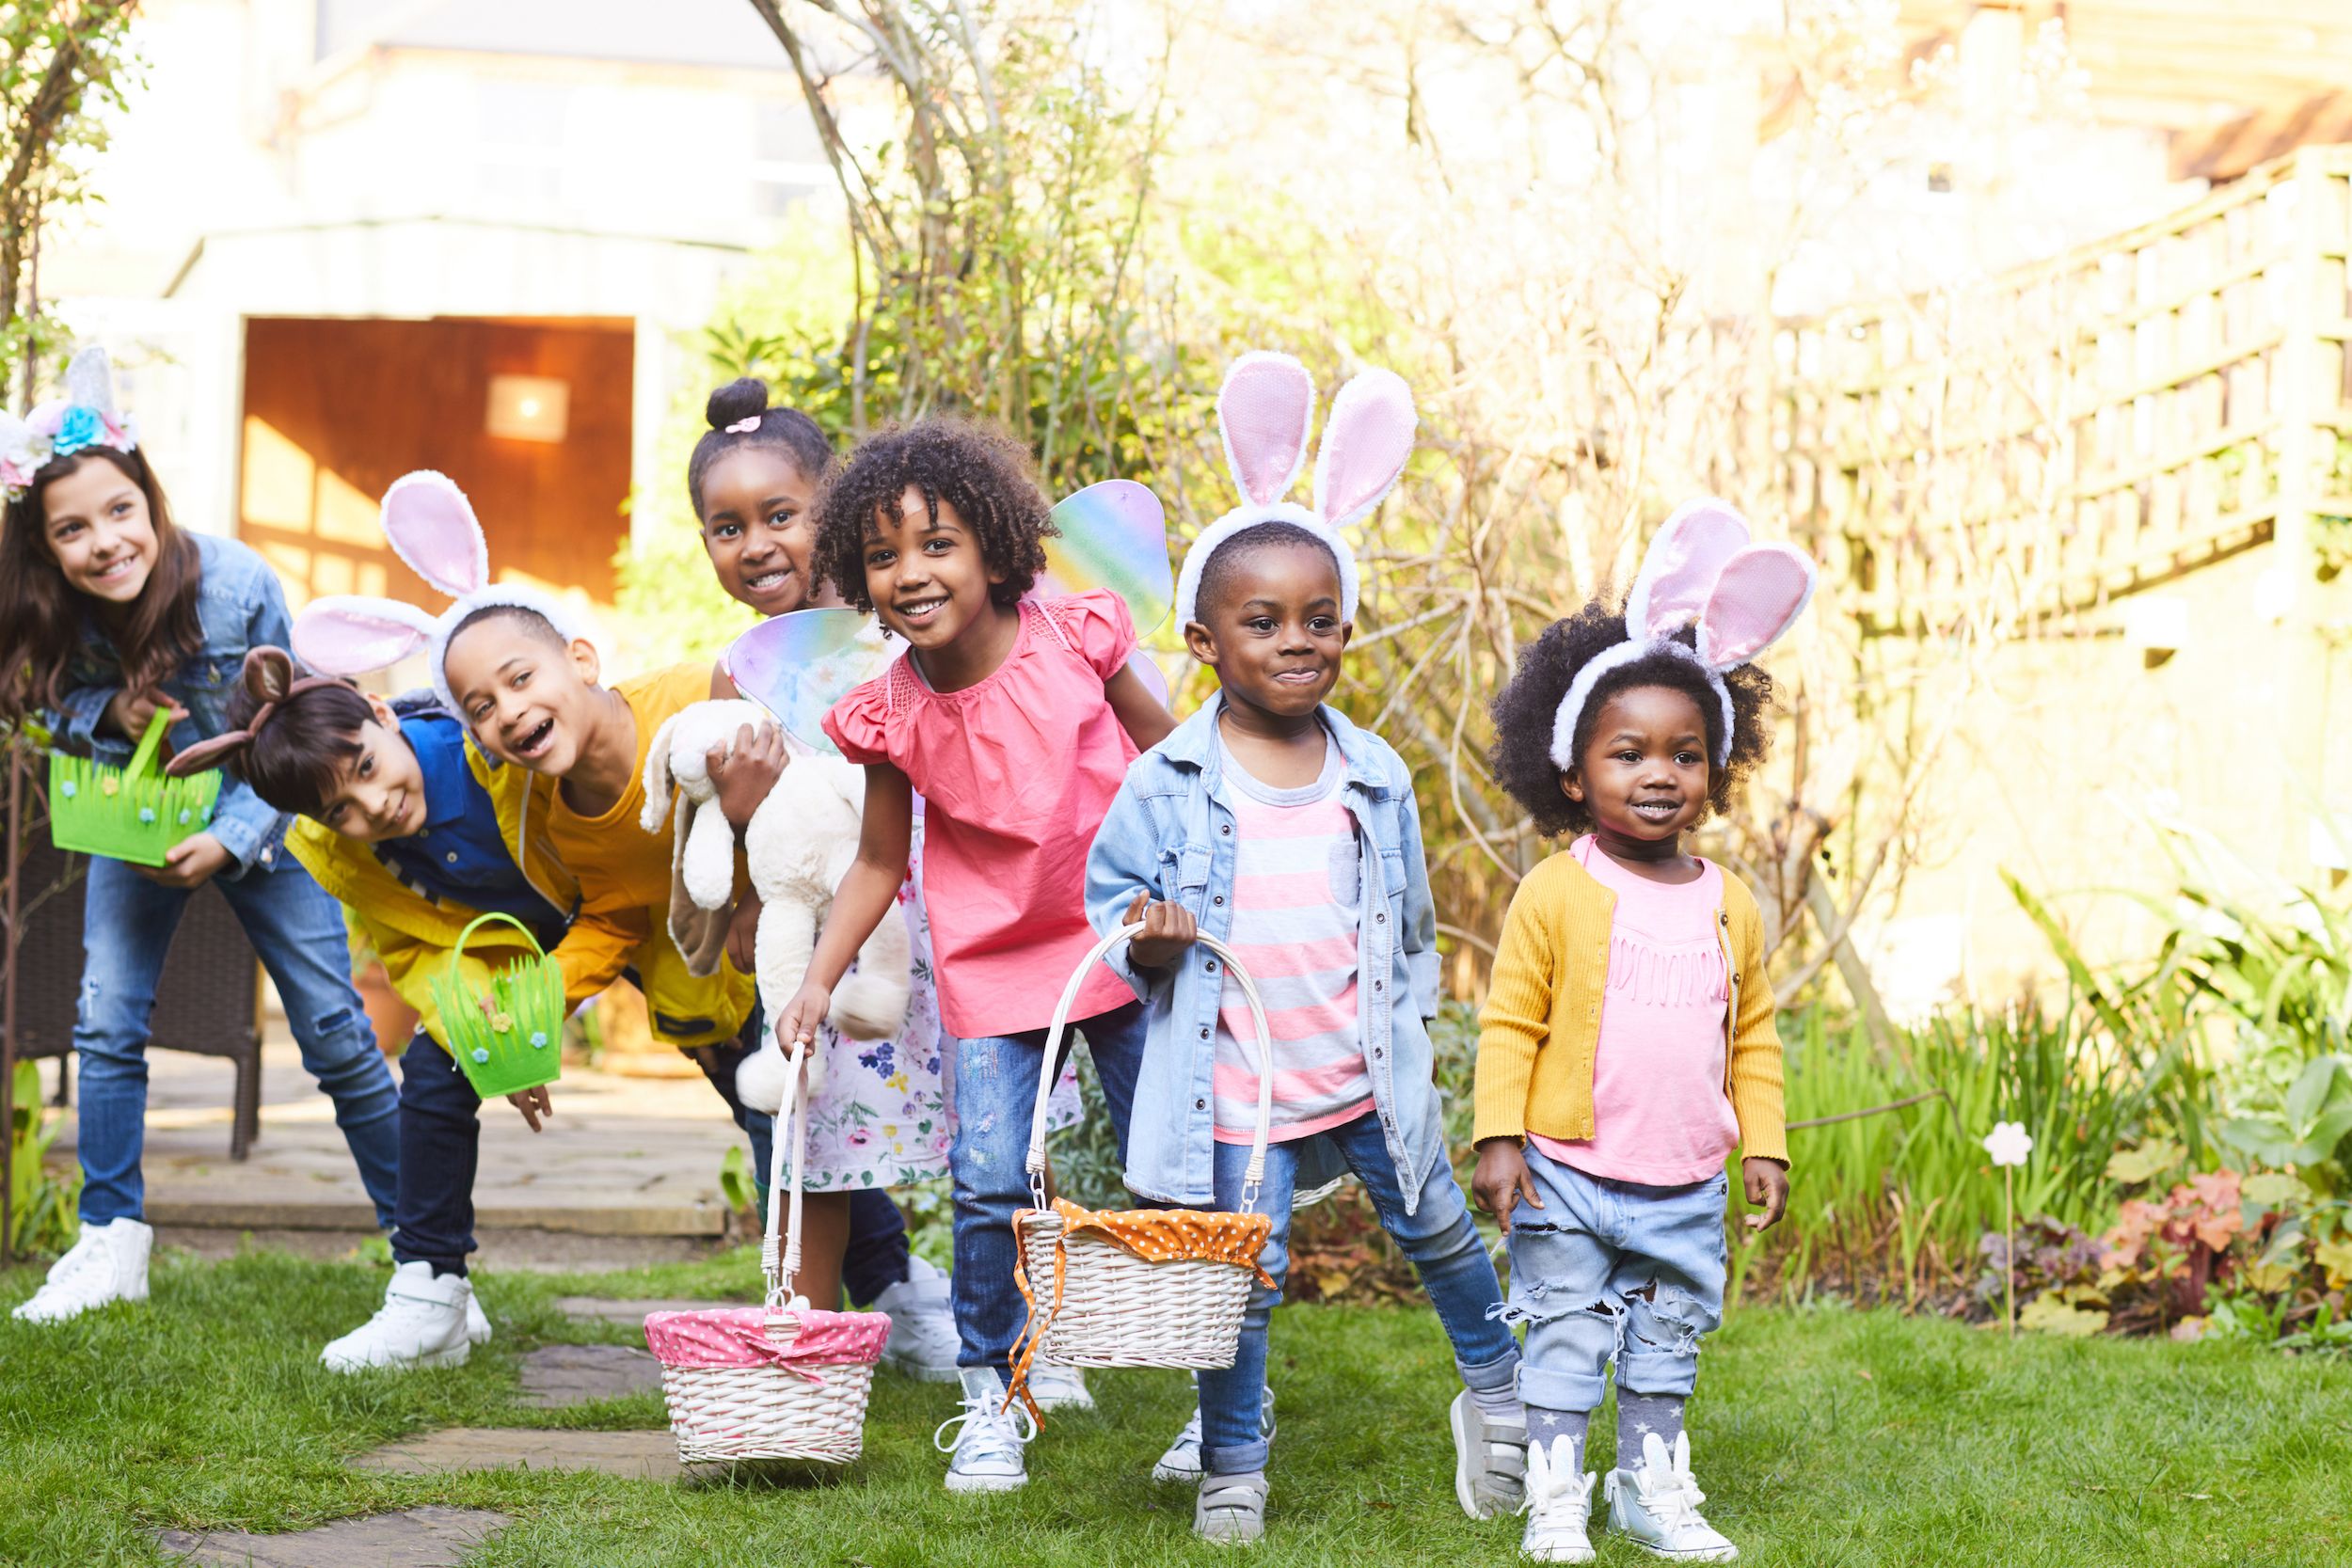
x: 1232, y: 1510
x: 1657, y: 1506
x: 1181, y: 1462
x: 1489, y: 1461
x: 985, y: 1448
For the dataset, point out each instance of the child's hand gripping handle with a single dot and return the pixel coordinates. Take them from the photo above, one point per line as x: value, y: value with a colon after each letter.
x: 1046, y: 1073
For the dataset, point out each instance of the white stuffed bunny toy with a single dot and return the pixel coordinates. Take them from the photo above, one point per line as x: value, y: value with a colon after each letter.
x: 1265, y: 411
x: 800, y: 843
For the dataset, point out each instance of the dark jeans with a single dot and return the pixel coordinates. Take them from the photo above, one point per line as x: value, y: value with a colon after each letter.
x: 440, y: 1145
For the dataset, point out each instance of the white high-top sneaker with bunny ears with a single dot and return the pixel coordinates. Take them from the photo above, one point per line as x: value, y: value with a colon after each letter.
x: 1559, y: 1505
x: 1657, y: 1506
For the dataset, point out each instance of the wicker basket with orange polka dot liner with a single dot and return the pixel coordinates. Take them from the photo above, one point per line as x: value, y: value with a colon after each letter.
x: 1145, y: 1286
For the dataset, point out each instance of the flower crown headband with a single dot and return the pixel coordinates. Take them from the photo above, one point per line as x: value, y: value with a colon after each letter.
x: 431, y: 527
x: 1263, y: 412
x: 83, y: 418
x: 269, y: 678
x: 1701, y: 571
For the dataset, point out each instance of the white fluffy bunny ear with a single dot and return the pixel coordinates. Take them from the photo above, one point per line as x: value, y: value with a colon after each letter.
x: 658, y: 778
x: 90, y: 382
x: 1263, y: 411
x: 1756, y: 599
x: 431, y: 527
x: 1365, y: 444
x: 1679, y: 570
x: 340, y: 635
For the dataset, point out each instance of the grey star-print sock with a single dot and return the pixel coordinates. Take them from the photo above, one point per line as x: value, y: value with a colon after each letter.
x: 1641, y: 1414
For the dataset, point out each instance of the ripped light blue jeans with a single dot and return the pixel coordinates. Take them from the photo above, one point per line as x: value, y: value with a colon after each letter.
x: 1614, y: 1270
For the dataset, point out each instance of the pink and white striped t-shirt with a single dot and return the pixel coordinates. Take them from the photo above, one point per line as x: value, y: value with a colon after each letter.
x: 1296, y: 905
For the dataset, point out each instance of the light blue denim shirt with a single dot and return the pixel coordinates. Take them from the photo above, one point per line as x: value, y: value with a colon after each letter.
x: 1170, y: 833
x: 238, y: 606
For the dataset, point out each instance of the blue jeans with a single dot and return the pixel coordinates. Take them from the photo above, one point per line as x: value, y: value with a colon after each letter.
x: 127, y: 924
x: 996, y: 1079
x: 440, y: 1147
x: 1614, y: 1270
x: 1438, y: 1236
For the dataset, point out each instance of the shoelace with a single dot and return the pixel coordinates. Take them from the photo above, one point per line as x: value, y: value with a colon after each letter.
x: 1559, y: 1492
x: 986, y: 1429
x: 1672, y: 1502
x: 83, y: 1259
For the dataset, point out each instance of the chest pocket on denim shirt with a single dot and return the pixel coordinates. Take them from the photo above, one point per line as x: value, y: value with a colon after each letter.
x: 1190, y: 876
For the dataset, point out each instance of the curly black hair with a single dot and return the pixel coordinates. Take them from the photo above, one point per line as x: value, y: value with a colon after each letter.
x: 983, y: 473
x: 1220, y: 573
x: 789, y: 431
x: 1525, y: 710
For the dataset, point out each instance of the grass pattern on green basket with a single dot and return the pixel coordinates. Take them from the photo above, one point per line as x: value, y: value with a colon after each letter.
x: 130, y: 812
x: 515, y: 1041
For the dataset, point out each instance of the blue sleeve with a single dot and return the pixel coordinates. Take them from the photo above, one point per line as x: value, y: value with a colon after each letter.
x: 242, y: 820
x: 81, y: 712
x: 1125, y: 860
x: 1420, y: 910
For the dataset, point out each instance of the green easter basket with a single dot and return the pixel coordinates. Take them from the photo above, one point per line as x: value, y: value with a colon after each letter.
x: 127, y: 813
x: 517, y: 1042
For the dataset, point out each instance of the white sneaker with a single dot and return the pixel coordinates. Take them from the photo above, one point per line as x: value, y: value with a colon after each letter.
x: 477, y: 1325
x: 985, y: 1452
x: 923, y: 1338
x: 1058, y: 1387
x: 1657, y: 1506
x: 1489, y: 1460
x: 1559, y: 1505
x: 1231, y: 1510
x: 422, y: 1323
x: 108, y: 1263
x: 1181, y: 1462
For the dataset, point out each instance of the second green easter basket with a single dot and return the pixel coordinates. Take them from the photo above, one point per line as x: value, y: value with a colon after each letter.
x: 510, y: 1037
x: 132, y: 812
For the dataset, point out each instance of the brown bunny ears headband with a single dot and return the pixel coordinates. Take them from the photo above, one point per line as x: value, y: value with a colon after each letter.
x: 269, y: 680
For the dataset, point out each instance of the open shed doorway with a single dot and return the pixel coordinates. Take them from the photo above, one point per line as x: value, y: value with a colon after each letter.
x: 531, y: 417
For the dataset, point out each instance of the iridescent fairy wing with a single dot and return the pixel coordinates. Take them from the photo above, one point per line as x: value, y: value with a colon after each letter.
x: 1113, y: 535
x: 799, y: 665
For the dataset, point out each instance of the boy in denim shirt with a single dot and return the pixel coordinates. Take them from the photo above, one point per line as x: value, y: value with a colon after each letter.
x: 1270, y: 822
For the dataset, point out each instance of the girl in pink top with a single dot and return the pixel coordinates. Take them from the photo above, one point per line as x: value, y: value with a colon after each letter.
x: 1016, y: 719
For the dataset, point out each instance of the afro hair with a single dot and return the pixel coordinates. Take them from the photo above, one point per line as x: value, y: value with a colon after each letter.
x: 1526, y: 709
x: 982, y: 473
x: 1222, y: 572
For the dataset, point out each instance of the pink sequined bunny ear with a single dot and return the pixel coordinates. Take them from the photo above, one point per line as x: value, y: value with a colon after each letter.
x: 1679, y: 570
x: 340, y: 635
x: 1756, y: 597
x: 1263, y: 411
x: 1365, y: 444
x: 432, y: 528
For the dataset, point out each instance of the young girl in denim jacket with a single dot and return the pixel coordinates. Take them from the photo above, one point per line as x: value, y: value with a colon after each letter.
x: 1627, y: 1045
x: 107, y: 614
x: 1272, y: 824
x: 1015, y: 718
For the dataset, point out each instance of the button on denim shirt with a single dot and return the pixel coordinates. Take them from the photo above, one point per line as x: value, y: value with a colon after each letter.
x: 1170, y: 833
x: 239, y: 605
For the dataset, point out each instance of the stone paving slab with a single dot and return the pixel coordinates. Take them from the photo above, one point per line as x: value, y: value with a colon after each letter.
x: 412, y: 1538
x: 558, y: 1375
x: 633, y: 1455
x: 612, y: 1309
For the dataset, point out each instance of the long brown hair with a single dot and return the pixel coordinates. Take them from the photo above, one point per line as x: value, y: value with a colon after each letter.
x: 42, y: 615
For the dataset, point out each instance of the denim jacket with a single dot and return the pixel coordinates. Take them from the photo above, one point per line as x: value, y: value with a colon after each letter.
x: 1169, y: 833
x: 238, y: 605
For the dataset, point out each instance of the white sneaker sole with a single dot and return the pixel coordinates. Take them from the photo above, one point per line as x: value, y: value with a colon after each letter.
x: 960, y: 1483
x: 1557, y: 1554
x: 454, y: 1357
x: 1704, y: 1554
x: 28, y: 1313
x: 1164, y: 1471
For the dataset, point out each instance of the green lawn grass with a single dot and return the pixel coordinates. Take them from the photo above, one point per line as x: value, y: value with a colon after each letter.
x: 1827, y: 1438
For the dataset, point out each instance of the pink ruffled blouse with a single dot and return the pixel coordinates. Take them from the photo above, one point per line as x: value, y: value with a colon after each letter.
x: 1017, y: 773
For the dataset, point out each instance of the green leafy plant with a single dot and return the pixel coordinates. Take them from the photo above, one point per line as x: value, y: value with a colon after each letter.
x: 41, y: 1203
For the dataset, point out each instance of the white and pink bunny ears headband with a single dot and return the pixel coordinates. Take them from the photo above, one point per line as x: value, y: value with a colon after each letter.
x: 432, y: 528
x: 1700, y: 570
x: 85, y: 416
x: 1263, y: 411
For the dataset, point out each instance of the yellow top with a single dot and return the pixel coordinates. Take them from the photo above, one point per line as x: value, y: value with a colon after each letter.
x: 626, y: 882
x: 1540, y: 1027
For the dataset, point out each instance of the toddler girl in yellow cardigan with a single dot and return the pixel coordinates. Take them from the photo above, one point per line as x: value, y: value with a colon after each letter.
x: 1627, y: 1045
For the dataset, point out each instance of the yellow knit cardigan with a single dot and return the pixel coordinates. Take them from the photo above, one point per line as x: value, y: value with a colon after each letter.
x: 1541, y: 1024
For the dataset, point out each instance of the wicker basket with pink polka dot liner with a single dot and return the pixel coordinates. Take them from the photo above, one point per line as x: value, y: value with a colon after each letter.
x: 1138, y: 1288
x: 783, y: 1381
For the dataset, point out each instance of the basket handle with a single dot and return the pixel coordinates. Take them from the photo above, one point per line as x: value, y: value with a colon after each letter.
x: 143, y: 760
x: 780, y: 1254
x: 457, y: 949
x: 1256, y: 1173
